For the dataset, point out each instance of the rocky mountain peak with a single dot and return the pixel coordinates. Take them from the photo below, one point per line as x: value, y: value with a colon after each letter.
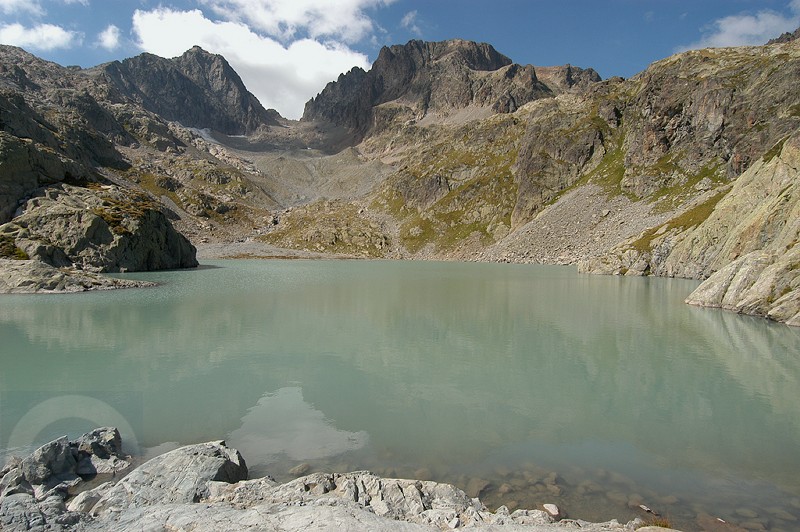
x: 23, y: 71
x: 472, y: 55
x: 567, y: 77
x: 786, y: 37
x: 198, y: 89
x: 426, y: 79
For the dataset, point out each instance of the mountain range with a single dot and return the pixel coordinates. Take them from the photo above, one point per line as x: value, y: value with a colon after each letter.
x: 442, y: 150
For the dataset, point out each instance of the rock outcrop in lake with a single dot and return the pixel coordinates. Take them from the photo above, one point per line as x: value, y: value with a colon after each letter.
x: 98, y: 228
x: 205, y: 487
x: 36, y: 277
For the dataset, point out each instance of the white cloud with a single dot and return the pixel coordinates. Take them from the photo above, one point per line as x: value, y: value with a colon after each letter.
x: 344, y: 20
x: 109, y: 38
x: 409, y: 22
x: 40, y: 37
x: 82, y: 2
x: 9, y: 7
x: 748, y: 29
x: 281, y: 76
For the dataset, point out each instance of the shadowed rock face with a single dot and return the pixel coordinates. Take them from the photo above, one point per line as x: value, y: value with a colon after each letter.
x: 427, y: 78
x: 197, y: 89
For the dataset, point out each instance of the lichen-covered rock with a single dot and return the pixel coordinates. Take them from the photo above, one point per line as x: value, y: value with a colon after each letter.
x: 102, y: 228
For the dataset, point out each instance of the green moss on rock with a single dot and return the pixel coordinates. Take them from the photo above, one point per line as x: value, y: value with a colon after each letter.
x: 9, y: 249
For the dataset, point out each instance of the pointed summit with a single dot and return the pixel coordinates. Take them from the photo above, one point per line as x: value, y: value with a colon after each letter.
x: 198, y: 89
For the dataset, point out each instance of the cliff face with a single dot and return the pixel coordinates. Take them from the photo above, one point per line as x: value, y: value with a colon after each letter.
x: 723, y: 145
x: 720, y: 108
x: 745, y: 241
x: 197, y: 89
x: 436, y: 79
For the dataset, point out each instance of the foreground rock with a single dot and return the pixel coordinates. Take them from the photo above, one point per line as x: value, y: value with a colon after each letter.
x: 33, y: 490
x: 203, y: 487
x: 36, y: 277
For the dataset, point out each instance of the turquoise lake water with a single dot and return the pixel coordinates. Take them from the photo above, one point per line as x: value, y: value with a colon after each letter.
x: 528, y: 384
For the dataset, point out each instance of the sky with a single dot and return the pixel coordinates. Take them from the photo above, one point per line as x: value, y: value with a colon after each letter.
x: 287, y: 50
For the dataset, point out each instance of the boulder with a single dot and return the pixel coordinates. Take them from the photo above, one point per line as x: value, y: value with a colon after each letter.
x: 100, y: 451
x: 179, y: 476
x: 54, y: 460
x: 33, y: 490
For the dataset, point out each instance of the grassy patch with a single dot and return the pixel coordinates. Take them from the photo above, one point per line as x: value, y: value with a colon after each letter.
x: 775, y: 150
x: 9, y: 249
x: 673, y: 196
x: 416, y: 232
x: 149, y: 182
x: 475, y: 163
x: 608, y: 174
x: 117, y: 212
x: 691, y: 218
x: 657, y: 521
x: 329, y: 227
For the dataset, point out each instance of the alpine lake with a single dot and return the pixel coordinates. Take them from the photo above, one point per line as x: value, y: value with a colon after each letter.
x: 520, y: 384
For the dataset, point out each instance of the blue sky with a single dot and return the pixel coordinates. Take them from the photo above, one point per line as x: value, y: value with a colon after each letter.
x: 286, y: 50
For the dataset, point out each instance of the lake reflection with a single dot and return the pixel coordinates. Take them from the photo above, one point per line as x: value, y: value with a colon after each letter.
x: 457, y: 371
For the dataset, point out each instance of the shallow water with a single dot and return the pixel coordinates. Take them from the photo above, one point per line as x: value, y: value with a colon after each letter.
x: 526, y: 384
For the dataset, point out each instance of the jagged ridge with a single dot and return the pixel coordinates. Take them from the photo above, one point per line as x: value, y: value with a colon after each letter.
x: 424, y: 78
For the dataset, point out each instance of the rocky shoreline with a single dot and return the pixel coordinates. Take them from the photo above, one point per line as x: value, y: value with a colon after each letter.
x: 36, y: 277
x: 205, y: 487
